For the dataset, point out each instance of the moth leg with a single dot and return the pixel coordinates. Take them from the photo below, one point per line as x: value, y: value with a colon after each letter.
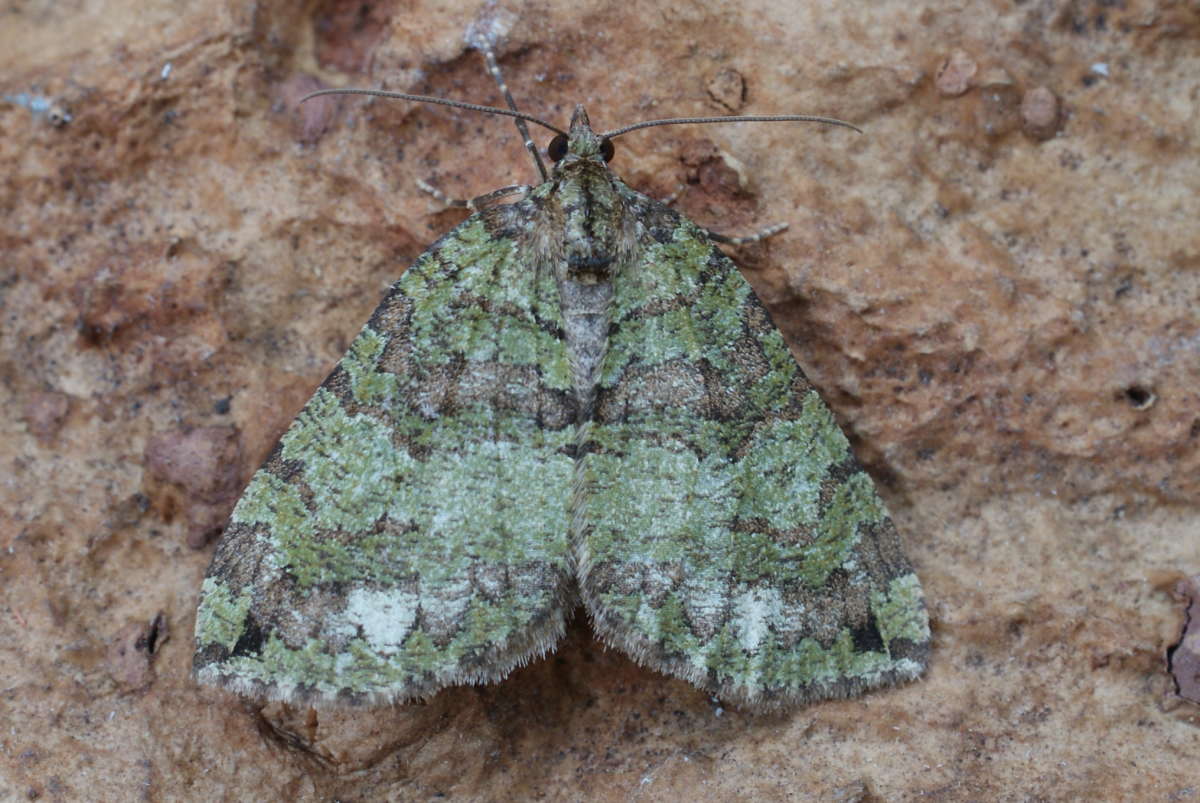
x: 484, y: 45
x: 717, y: 237
x: 769, y: 231
x: 477, y: 203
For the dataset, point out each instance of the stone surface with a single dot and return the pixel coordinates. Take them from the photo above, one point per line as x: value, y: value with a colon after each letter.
x: 1185, y: 657
x: 1005, y: 324
x: 956, y: 74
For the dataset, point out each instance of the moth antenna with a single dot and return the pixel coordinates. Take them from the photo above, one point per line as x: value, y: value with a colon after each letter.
x: 754, y: 118
x: 457, y: 104
x: 493, y: 66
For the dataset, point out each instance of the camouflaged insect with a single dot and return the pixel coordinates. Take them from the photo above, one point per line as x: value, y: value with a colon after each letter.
x: 573, y: 398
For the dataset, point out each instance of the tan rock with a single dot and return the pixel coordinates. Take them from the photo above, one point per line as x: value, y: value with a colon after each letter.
x: 987, y: 313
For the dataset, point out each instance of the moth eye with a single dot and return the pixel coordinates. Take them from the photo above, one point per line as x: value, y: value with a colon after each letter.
x: 606, y: 150
x: 557, y: 148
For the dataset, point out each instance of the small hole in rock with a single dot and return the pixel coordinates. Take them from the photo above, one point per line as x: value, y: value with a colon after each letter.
x: 1140, y: 398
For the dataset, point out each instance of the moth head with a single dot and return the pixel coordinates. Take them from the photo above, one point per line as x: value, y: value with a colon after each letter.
x: 582, y: 141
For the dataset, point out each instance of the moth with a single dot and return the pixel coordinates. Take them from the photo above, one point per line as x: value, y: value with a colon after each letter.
x: 573, y: 399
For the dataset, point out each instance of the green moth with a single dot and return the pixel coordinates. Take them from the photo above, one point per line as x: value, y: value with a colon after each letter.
x: 571, y: 399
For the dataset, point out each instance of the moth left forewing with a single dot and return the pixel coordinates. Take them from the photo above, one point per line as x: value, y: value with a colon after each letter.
x: 393, y: 543
x: 731, y: 537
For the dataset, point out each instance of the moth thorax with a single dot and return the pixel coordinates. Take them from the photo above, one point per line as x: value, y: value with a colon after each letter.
x: 591, y: 224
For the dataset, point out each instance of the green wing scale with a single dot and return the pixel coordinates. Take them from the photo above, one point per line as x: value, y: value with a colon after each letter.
x: 394, y: 543
x: 734, y: 540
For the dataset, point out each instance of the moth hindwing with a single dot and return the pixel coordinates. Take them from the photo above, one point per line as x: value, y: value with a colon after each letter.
x: 574, y: 398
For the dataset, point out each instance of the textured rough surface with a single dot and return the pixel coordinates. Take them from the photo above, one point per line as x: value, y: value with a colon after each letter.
x: 575, y: 395
x: 1003, y: 321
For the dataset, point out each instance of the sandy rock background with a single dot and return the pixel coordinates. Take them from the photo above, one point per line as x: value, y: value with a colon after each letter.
x: 996, y: 288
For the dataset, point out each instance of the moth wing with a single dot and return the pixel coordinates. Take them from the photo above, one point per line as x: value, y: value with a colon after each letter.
x: 409, y: 531
x: 732, y: 538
